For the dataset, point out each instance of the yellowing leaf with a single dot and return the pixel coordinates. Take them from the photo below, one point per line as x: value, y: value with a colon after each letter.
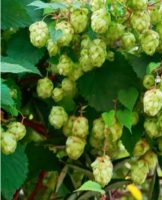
x: 135, y: 192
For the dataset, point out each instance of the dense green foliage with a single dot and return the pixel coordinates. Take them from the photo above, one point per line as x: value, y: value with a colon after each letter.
x: 81, y: 106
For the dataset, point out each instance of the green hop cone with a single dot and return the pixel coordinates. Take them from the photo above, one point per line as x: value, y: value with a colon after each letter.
x: 52, y: 48
x: 17, y: 129
x: 97, y: 52
x: 138, y: 5
x: 159, y: 29
x: 8, y: 143
x: 152, y: 102
x: 100, y: 20
x: 79, y: 19
x: 95, y: 142
x: 80, y: 127
x: 149, y: 42
x: 141, y: 147
x: 139, y: 171
x: 67, y: 129
x: 115, y: 131
x: 98, y: 129
x: 110, y: 56
x: 114, y: 33
x: 102, y: 170
x: 44, y: 88
x: 57, y: 94
x: 85, y: 61
x: 151, y: 159
x: 67, y: 33
x: 128, y: 41
x: 58, y: 117
x: 65, y: 65
x: 38, y: 34
x: 148, y: 81
x: 140, y: 21
x: 151, y: 128
x: 156, y: 14
x: 97, y: 4
x: 75, y: 147
x: 69, y: 87
x: 76, y: 72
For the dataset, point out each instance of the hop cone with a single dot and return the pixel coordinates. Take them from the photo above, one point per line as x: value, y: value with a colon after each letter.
x: 80, y: 127
x: 75, y: 147
x: 44, y: 88
x: 67, y: 129
x: 96, y: 4
x: 149, y: 42
x: 139, y: 172
x: 57, y: 94
x: 69, y: 87
x: 17, y: 129
x: 65, y: 65
x: 102, y: 170
x: 151, y: 127
x: 128, y: 41
x: 148, y: 81
x: 138, y: 5
x: 151, y: 159
x: 66, y: 34
x: 8, y: 143
x: 116, y: 131
x: 140, y: 21
x: 52, y: 48
x: 98, y: 129
x: 38, y: 34
x: 79, y: 19
x: 152, y: 102
x: 156, y: 14
x: 100, y: 21
x: 141, y: 147
x: 76, y: 72
x: 58, y: 117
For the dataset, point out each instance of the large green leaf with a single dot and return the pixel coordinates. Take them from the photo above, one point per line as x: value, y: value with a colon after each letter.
x: 92, y: 186
x: 109, y: 118
x: 20, y: 48
x: 16, y: 14
x: 100, y: 87
x: 14, y: 171
x: 128, y: 97
x: 10, y: 65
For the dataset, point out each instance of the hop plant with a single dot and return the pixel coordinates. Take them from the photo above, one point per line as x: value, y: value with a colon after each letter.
x: 151, y: 159
x: 135, y: 118
x: 148, y: 81
x: 76, y: 72
x: 67, y: 129
x: 152, y: 102
x: 65, y: 65
x: 8, y: 143
x: 52, y: 48
x: 67, y: 33
x: 128, y: 41
x: 102, y: 170
x: 17, y: 129
x: 57, y: 94
x: 95, y: 142
x: 85, y: 61
x: 100, y: 20
x: 138, y: 5
x: 75, y: 147
x: 139, y: 171
x: 58, y: 117
x: 38, y: 34
x: 149, y: 42
x: 110, y: 56
x: 98, y: 129
x: 97, y: 53
x: 140, y: 21
x: 159, y: 29
x: 156, y: 14
x: 116, y: 131
x: 141, y: 147
x: 151, y: 127
x: 80, y: 127
x: 44, y: 88
x: 79, y: 19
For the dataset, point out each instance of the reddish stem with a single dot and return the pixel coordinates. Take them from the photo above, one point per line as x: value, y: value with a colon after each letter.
x: 38, y: 186
x: 36, y: 126
x: 16, y: 195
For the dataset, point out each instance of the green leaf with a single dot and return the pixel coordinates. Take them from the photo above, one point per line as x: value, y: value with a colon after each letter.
x: 10, y: 65
x: 20, y: 48
x: 125, y: 118
x: 152, y: 66
x: 14, y: 171
x: 68, y: 103
x: 100, y: 87
x: 92, y: 186
x: 109, y: 118
x: 42, y: 5
x: 128, y: 97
